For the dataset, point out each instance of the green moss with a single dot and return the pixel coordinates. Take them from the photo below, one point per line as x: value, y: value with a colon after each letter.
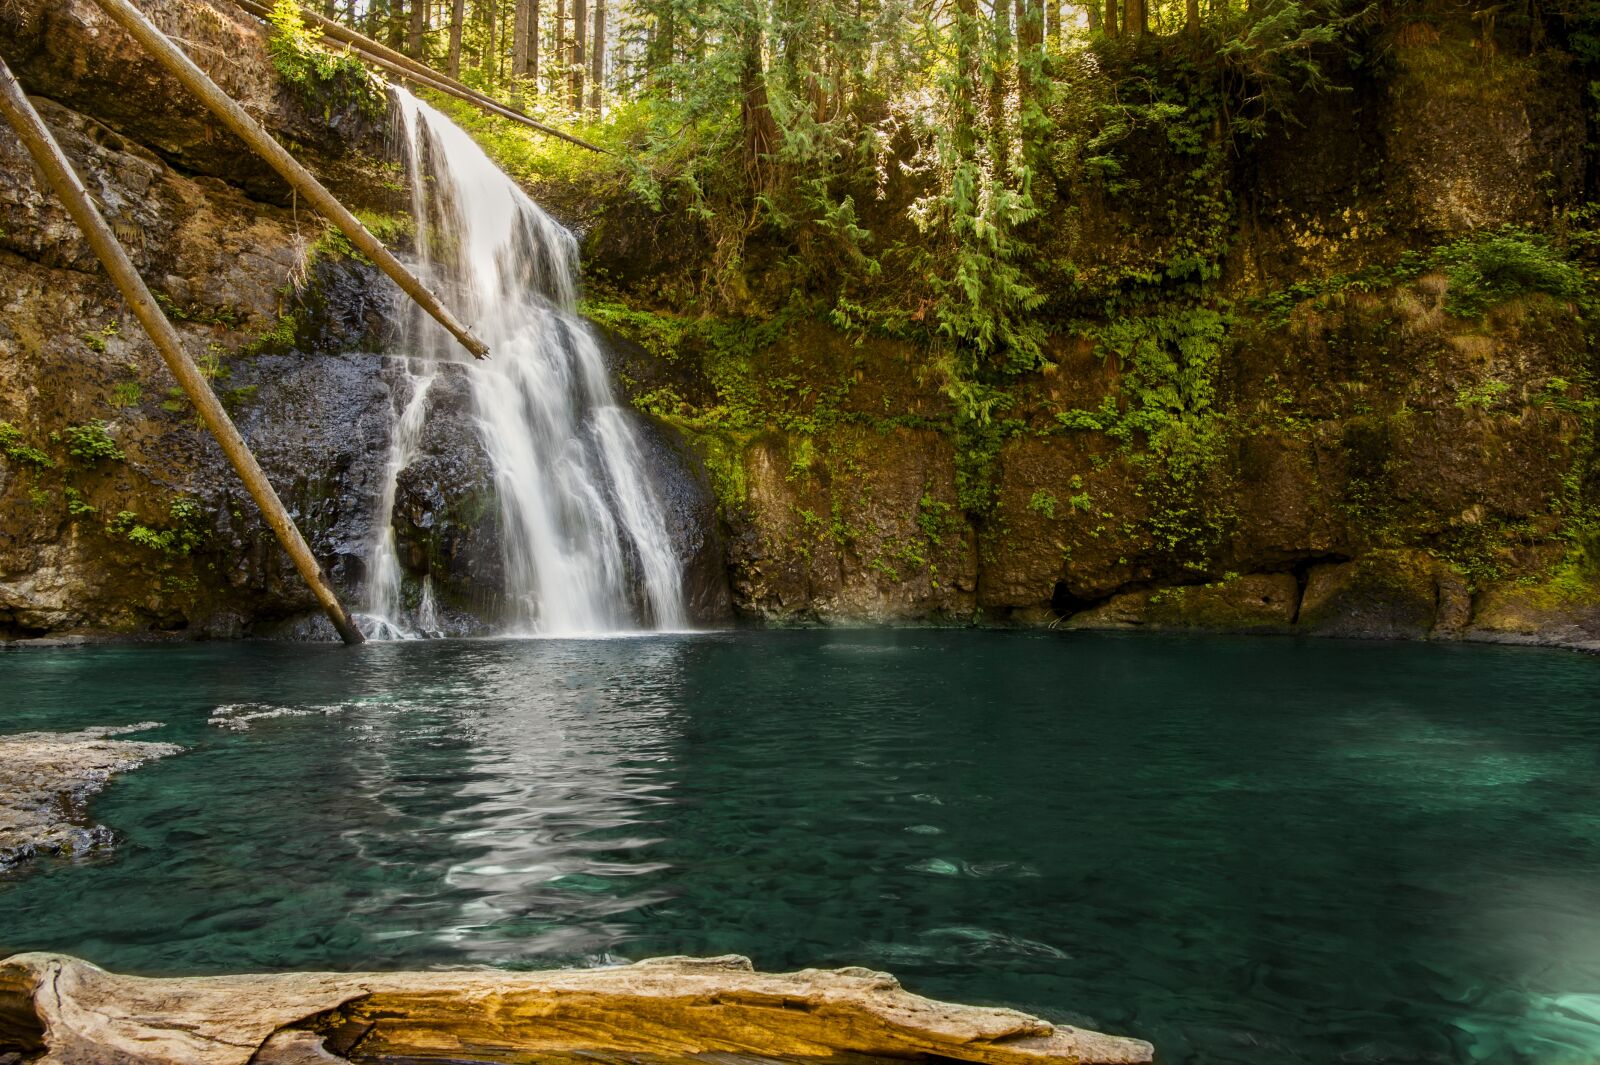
x: 97, y: 340
x: 275, y: 339
x: 126, y: 394
x: 77, y: 506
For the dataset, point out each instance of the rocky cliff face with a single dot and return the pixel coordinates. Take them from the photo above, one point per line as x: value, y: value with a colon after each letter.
x: 1354, y: 454
x: 1340, y: 447
x: 117, y: 512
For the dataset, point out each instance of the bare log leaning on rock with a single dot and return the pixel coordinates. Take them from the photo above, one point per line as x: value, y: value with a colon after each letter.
x: 77, y: 1014
x: 404, y: 68
x: 304, y: 182
x: 58, y: 172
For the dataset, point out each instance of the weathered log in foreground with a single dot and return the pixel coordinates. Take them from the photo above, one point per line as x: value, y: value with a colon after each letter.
x: 57, y: 1010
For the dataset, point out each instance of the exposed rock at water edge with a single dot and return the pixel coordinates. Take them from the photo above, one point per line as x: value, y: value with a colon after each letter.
x: 47, y: 777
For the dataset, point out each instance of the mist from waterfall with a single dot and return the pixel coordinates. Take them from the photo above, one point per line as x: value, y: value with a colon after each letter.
x: 584, y: 541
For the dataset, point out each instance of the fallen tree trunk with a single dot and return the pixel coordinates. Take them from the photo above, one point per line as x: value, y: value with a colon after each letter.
x: 19, y: 113
x: 670, y: 1009
x: 194, y: 79
x: 405, y: 68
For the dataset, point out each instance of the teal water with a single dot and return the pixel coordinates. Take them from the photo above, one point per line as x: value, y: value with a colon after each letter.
x: 1251, y: 851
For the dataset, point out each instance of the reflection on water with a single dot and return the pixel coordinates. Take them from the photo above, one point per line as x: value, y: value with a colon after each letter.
x: 1246, y: 851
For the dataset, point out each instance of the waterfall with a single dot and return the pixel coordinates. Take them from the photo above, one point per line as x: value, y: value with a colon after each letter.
x: 584, y: 540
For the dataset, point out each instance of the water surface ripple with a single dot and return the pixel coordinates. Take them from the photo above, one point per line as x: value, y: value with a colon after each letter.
x: 1252, y: 851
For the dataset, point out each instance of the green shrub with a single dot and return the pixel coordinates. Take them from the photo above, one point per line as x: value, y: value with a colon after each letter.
x: 185, y: 532
x: 91, y: 443
x: 322, y: 77
x: 1487, y: 269
x: 15, y: 447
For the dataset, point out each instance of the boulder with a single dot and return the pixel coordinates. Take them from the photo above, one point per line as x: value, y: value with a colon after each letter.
x: 1382, y: 595
x: 1541, y: 616
x: 1252, y: 603
x: 68, y: 1012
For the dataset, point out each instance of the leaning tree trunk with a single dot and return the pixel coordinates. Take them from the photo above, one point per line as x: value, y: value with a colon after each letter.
x: 57, y: 169
x: 305, y: 184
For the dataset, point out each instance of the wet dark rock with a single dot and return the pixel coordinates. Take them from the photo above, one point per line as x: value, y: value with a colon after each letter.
x: 447, y: 513
x: 689, y: 506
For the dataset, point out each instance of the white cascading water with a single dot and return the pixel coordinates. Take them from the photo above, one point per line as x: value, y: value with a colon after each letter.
x: 586, y: 547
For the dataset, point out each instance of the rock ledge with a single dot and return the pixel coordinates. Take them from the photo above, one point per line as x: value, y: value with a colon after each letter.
x: 47, y: 777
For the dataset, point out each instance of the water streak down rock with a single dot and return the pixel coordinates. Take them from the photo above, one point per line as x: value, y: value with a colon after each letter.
x: 62, y: 1011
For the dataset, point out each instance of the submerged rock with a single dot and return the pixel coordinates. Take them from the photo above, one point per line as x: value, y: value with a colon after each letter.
x: 47, y: 777
x: 62, y: 1011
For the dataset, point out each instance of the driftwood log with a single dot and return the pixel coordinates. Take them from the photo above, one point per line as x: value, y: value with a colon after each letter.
x: 21, y: 116
x: 56, y: 1010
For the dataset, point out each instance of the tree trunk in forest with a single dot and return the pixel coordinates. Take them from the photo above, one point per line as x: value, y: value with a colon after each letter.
x: 1110, y: 25
x: 41, y: 144
x: 755, y: 112
x: 597, y: 57
x: 558, y: 48
x: 1030, y: 51
x: 1000, y: 63
x: 580, y: 60
x: 490, y: 53
x: 1192, y: 16
x: 458, y: 14
x: 394, y: 13
x: 967, y: 75
x: 662, y: 47
x: 1135, y: 22
x: 519, y: 50
x: 418, y: 29
x: 532, y: 68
